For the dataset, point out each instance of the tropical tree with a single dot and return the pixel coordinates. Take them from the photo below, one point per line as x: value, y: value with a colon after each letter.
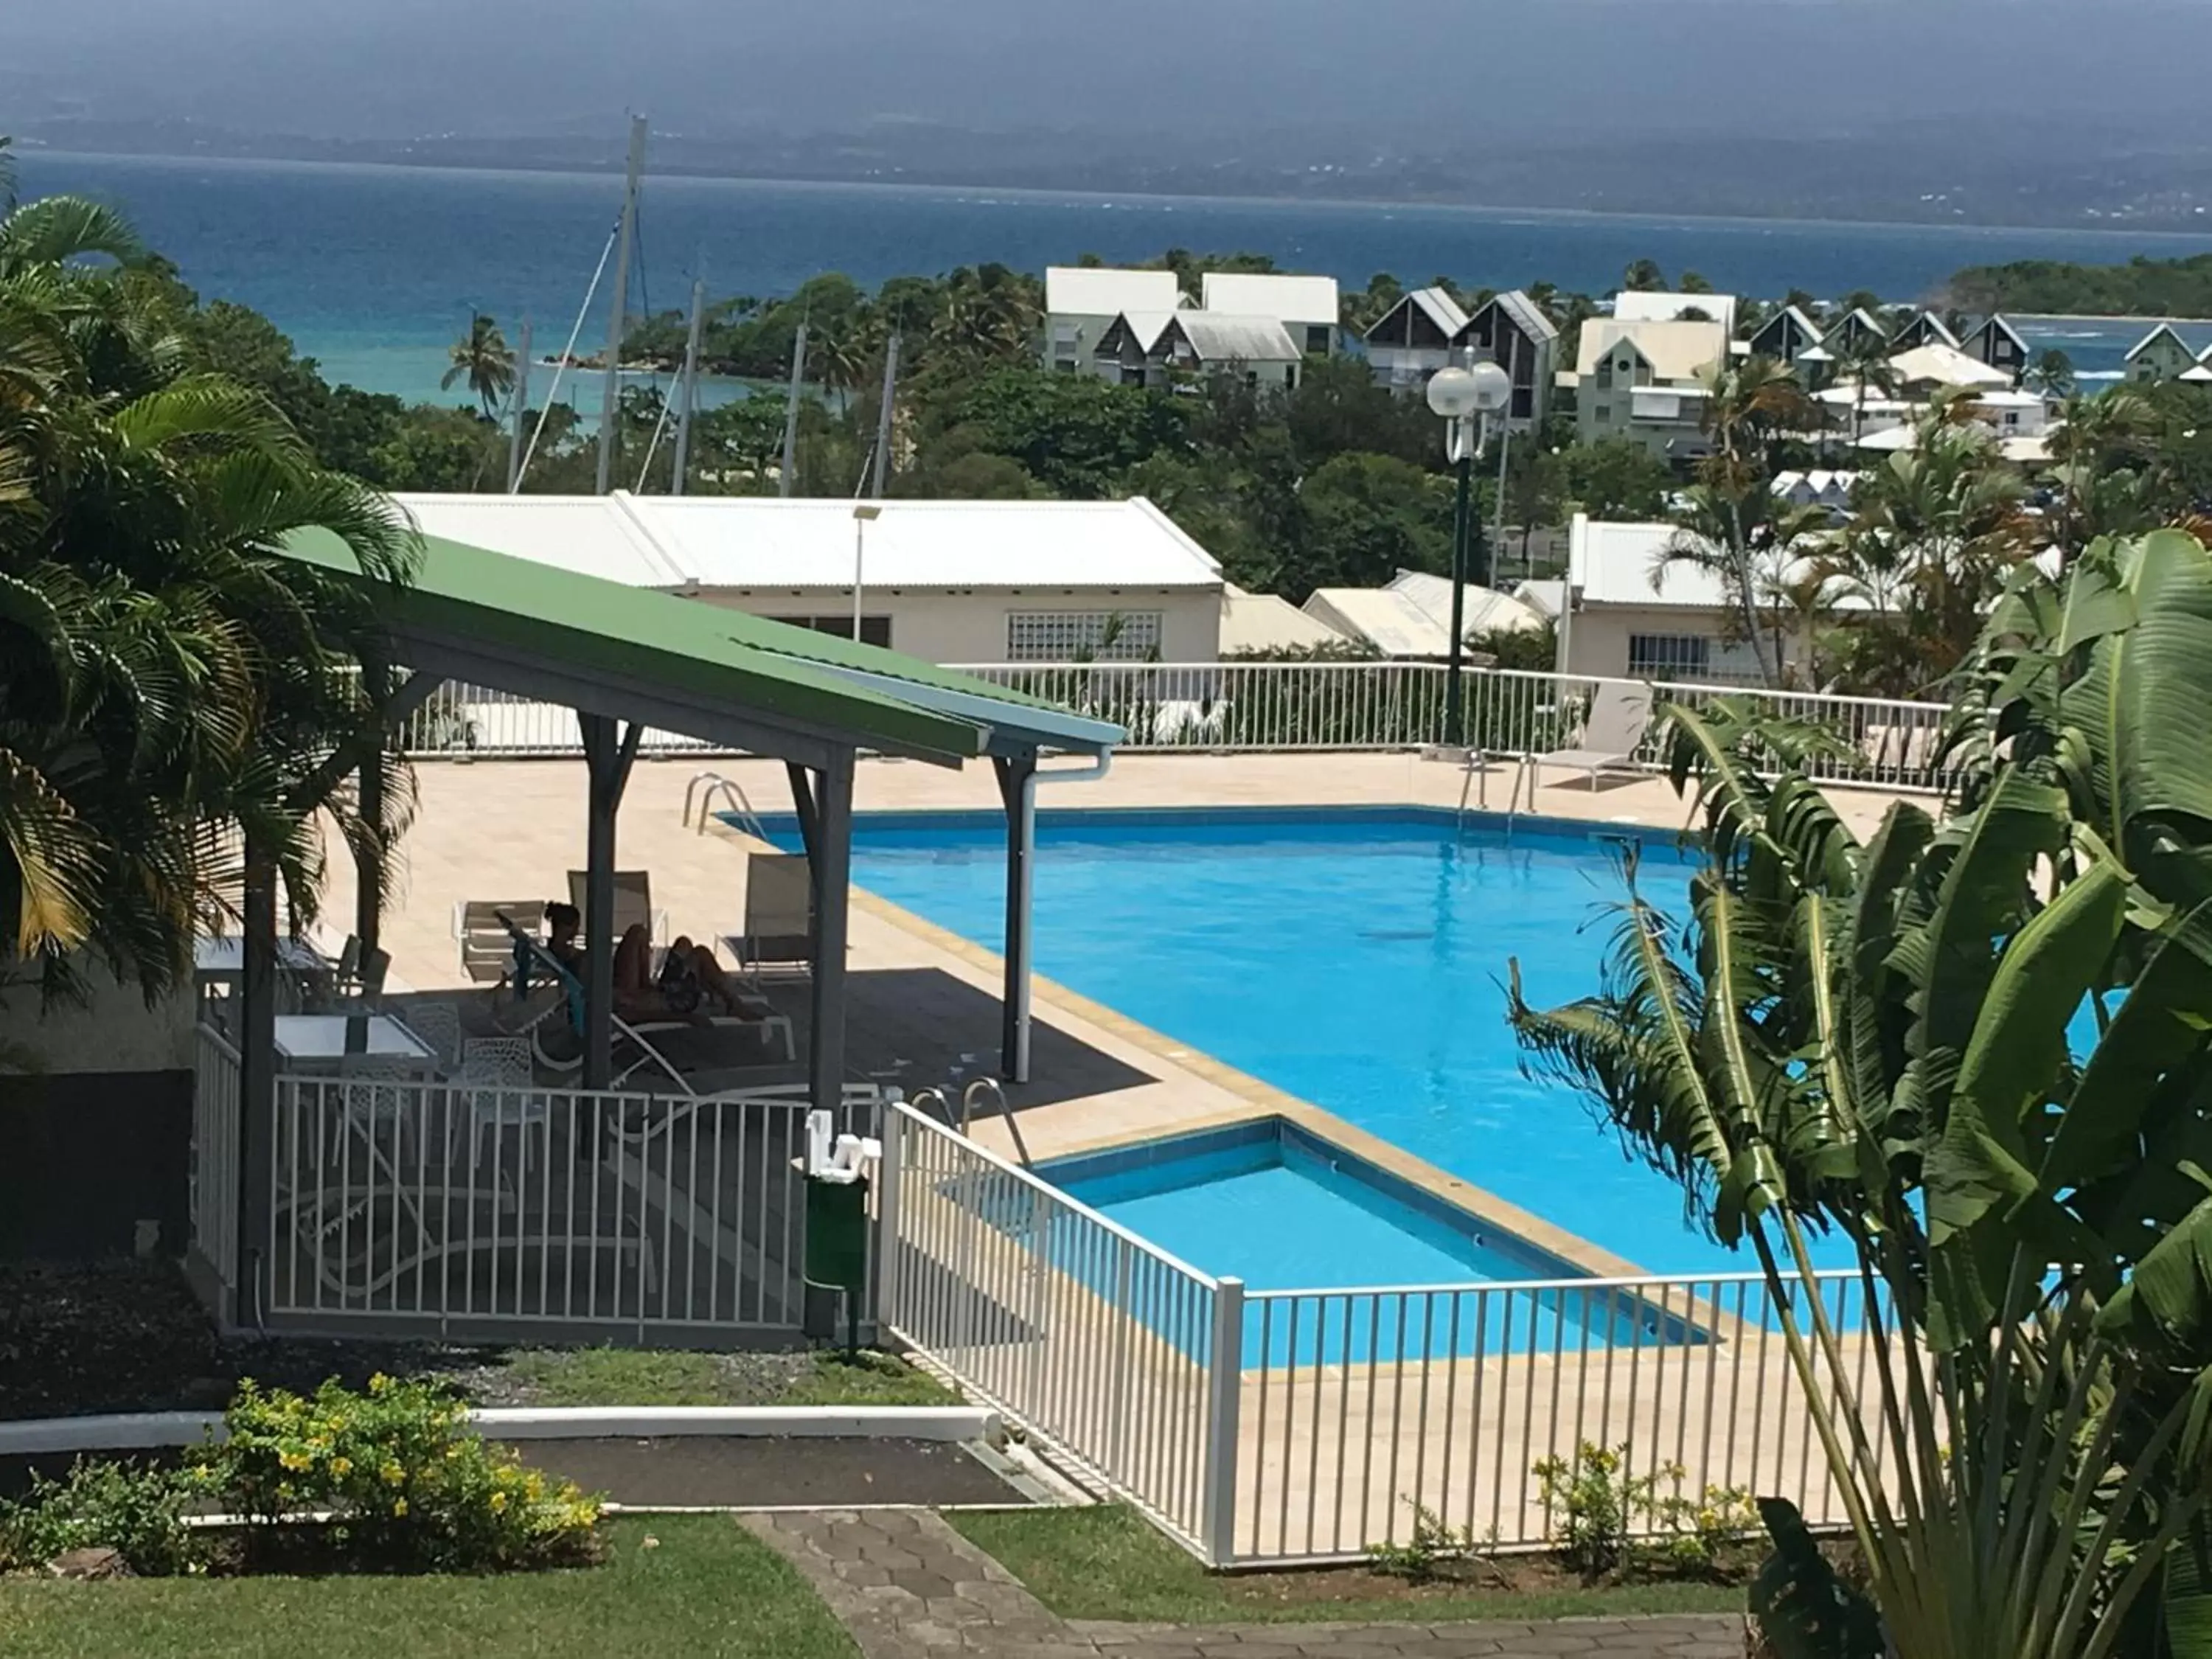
x: 1972, y: 1049
x: 1863, y: 359
x: 1730, y: 521
x: 2052, y: 374
x: 172, y: 688
x: 1643, y: 276
x: 483, y: 358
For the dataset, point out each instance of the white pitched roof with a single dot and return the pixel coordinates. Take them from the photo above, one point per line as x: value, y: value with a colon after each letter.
x: 1300, y: 300
x: 2165, y: 329
x: 1442, y: 310
x: 1945, y: 366
x: 1218, y: 338
x: 1611, y: 563
x: 1679, y: 352
x: 753, y: 541
x: 1483, y: 609
x: 1527, y: 316
x: 1267, y: 622
x: 1635, y: 306
x: 1547, y: 598
x: 1104, y: 290
x: 1412, y: 617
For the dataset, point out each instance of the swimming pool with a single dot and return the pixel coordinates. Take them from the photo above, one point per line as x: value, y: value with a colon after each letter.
x: 1354, y: 957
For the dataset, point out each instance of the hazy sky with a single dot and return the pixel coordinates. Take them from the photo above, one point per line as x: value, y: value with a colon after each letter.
x: 1398, y: 72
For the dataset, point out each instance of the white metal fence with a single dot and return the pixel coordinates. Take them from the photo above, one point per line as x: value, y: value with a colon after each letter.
x: 1264, y: 708
x: 1308, y: 1426
x: 214, y: 1187
x: 455, y: 1207
x: 1103, y: 1346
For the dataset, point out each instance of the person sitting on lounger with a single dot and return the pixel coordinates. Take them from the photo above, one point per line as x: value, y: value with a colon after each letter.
x: 688, y: 973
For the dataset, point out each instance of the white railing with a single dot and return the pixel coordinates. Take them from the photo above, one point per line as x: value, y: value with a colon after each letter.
x: 1264, y: 708
x: 1100, y: 1345
x: 454, y: 1206
x: 214, y: 1195
x: 1359, y: 1406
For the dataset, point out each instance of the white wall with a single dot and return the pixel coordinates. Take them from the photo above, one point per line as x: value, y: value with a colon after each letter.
x: 1597, y: 640
x: 970, y: 625
x: 113, y: 1032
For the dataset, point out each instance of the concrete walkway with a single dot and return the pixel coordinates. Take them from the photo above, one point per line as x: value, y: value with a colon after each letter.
x: 908, y: 1586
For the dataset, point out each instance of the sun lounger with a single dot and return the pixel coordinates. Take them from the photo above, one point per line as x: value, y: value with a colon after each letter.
x: 779, y: 927
x: 486, y: 953
x: 1620, y: 714
x: 633, y: 903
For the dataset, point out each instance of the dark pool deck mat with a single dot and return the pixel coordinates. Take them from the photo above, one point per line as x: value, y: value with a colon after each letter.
x: 701, y: 1472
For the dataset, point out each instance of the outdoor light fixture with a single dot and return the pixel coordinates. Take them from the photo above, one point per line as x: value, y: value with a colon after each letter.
x: 1467, y: 397
x: 864, y: 515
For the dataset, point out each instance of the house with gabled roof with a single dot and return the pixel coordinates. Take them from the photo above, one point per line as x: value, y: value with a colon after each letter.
x: 1923, y: 328
x: 1645, y: 381
x: 1997, y: 343
x: 1306, y: 307
x: 1166, y: 349
x: 1082, y: 301
x: 2161, y: 354
x: 1649, y: 306
x: 1414, y: 338
x: 1785, y: 336
x: 1851, y: 334
x: 1510, y: 330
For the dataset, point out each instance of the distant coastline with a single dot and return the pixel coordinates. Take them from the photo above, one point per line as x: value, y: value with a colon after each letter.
x: 671, y: 166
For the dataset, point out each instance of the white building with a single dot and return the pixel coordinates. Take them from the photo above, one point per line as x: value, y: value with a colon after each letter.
x: 1631, y: 615
x: 1411, y: 618
x: 1080, y: 302
x: 950, y: 581
x: 1162, y: 349
x: 1645, y: 380
x: 1414, y: 338
x: 1640, y: 305
x: 1257, y: 623
x: 1305, y: 306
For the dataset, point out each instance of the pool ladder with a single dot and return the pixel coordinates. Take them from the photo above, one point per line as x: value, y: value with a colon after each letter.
x: 714, y: 785
x: 987, y: 1086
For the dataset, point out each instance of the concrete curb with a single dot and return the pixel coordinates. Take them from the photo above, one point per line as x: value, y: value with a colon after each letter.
x: 139, y: 1430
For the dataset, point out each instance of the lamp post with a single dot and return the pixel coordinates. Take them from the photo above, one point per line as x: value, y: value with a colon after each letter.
x: 864, y: 515
x: 1465, y: 395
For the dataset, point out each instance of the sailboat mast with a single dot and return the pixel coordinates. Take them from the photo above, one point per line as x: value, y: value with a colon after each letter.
x: 521, y: 409
x: 791, y: 412
x: 610, y: 399
x: 689, y: 394
x: 884, y: 416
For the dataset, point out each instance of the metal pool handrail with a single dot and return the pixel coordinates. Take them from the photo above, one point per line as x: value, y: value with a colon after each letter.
x: 730, y: 790
x: 1005, y: 1112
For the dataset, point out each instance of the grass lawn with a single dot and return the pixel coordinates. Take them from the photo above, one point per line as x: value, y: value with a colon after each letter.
x: 623, y: 1377
x: 1109, y: 1562
x: 709, y: 1588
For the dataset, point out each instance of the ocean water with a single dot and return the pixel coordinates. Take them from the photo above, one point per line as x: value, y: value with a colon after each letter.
x: 374, y: 271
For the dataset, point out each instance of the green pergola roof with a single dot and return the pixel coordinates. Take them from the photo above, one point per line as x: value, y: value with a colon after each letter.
x: 491, y: 619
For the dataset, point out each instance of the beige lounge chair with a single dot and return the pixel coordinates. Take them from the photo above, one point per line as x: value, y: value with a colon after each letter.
x: 779, y: 927
x: 1620, y: 714
x: 487, y: 952
x: 633, y: 903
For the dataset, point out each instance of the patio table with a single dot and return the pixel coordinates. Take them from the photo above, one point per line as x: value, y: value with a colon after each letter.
x: 323, y: 1042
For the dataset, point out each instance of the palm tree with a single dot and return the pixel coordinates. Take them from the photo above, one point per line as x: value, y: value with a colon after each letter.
x: 2051, y: 374
x: 482, y: 358
x: 1871, y: 1039
x: 1863, y: 359
x: 1729, y: 522
x: 1643, y: 276
x: 170, y: 688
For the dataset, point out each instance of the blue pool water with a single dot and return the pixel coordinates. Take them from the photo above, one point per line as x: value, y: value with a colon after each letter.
x: 1281, y: 1209
x: 1356, y: 959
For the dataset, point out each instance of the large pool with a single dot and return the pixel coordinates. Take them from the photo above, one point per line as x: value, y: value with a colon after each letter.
x: 1356, y: 958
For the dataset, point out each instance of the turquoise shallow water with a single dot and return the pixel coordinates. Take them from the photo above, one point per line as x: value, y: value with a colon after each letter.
x: 374, y: 269
x: 1358, y: 961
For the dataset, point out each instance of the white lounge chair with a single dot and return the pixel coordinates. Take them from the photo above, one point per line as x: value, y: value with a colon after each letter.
x: 487, y: 952
x: 779, y: 927
x: 1620, y: 714
x: 633, y: 904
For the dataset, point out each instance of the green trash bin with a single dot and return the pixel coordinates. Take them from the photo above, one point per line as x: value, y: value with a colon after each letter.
x: 836, y: 1266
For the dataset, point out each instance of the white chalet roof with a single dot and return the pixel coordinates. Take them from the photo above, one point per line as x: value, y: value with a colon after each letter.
x: 1636, y: 305
x: 1267, y: 622
x: 1219, y: 337
x: 1678, y: 352
x: 1942, y: 365
x: 1412, y: 617
x: 1440, y: 309
x: 1106, y: 290
x: 1303, y: 300
x: 727, y: 542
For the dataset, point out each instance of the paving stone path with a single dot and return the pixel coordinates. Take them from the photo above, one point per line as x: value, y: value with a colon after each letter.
x: 907, y: 1586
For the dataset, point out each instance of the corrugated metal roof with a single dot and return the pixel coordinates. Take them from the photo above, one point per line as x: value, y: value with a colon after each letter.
x: 1943, y: 365
x: 1105, y: 290
x: 1218, y: 338
x: 1483, y: 609
x: 745, y: 542
x: 1611, y: 563
x: 1412, y: 617
x: 1267, y: 622
x: 1301, y: 299
x: 1676, y: 351
x: 1635, y: 306
x: 1439, y: 307
x: 1526, y: 314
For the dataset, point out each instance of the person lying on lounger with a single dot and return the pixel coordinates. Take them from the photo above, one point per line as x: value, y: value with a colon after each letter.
x: 688, y: 973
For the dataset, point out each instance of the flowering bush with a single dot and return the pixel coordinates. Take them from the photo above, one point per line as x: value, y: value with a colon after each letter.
x: 137, y: 1512
x: 407, y: 1485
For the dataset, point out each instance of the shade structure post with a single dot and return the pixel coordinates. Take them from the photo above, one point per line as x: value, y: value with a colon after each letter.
x: 1018, y: 789
x: 829, y: 868
x: 257, y: 1075
x: 607, y: 759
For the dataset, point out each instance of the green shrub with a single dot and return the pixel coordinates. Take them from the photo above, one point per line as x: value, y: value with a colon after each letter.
x: 1433, y: 1544
x: 407, y: 1485
x: 136, y: 1511
x: 1605, y: 1518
